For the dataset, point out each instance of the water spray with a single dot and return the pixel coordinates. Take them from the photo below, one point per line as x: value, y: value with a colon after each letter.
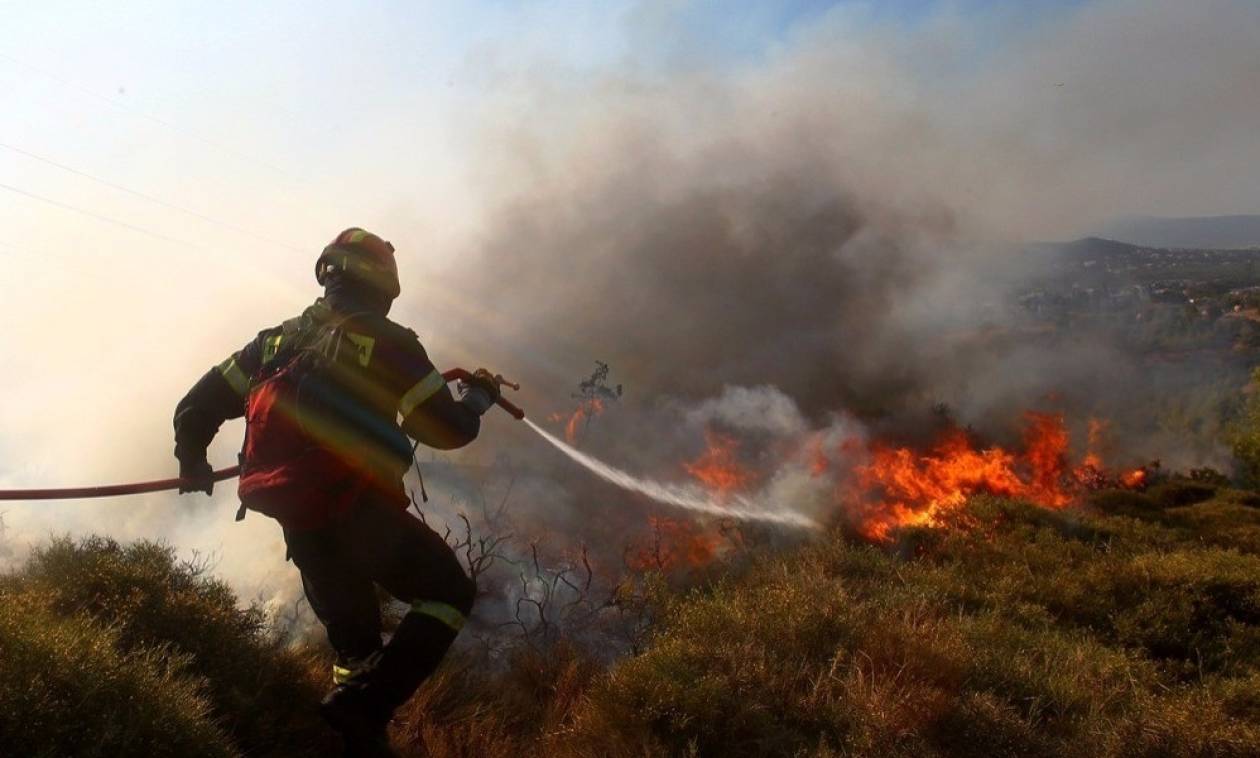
x: 689, y: 497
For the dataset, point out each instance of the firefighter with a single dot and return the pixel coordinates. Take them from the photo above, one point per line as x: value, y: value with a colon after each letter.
x: 324, y: 455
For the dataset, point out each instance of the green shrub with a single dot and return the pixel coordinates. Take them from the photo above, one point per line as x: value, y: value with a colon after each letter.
x: 262, y: 693
x: 67, y: 688
x: 1244, y: 437
x: 1124, y: 503
x: 1175, y: 492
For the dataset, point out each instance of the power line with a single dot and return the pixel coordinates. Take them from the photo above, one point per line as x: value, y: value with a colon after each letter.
x: 155, y: 119
x: 98, y: 216
x: 150, y: 198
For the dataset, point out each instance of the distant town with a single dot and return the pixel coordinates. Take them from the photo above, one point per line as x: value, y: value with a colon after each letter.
x: 1214, y: 294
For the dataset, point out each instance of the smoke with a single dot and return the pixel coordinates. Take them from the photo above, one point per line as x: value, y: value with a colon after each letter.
x: 763, y: 409
x: 837, y: 219
x: 812, y: 239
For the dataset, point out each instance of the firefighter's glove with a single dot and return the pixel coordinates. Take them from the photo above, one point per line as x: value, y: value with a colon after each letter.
x: 197, y: 476
x: 480, y: 392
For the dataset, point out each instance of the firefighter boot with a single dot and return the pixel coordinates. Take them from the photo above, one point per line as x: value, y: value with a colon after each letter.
x: 412, y: 655
x: 359, y: 720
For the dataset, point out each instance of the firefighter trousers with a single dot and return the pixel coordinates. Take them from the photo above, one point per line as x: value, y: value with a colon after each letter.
x: 344, y: 561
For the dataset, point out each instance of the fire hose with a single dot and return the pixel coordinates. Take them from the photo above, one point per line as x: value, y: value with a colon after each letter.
x: 159, y: 485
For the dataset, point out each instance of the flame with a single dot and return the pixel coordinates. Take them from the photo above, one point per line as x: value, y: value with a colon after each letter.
x: 1135, y: 479
x: 718, y: 467
x: 1092, y: 473
x: 589, y: 409
x: 816, y: 456
x: 1046, y: 441
x: 676, y: 544
x: 685, y: 544
x: 900, y: 487
x: 1098, y: 430
x: 882, y: 487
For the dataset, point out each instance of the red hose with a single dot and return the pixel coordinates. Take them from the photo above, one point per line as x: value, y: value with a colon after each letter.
x: 108, y: 490
x: 159, y: 485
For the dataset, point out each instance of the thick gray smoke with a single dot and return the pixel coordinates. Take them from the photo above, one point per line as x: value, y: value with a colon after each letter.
x: 839, y: 220
x: 821, y: 246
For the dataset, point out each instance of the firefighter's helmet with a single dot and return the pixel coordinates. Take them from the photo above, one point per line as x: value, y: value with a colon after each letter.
x: 362, y: 256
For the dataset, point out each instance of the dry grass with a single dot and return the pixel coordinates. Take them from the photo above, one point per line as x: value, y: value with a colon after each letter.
x: 1129, y: 628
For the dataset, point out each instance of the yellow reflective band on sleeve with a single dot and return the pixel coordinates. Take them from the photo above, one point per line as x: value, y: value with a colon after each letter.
x: 271, y: 346
x: 341, y: 674
x: 234, y: 376
x: 423, y: 390
x: 447, y: 614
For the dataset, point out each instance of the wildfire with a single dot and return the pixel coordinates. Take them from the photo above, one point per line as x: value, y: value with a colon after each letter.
x: 1135, y: 479
x: 816, y: 455
x: 899, y: 487
x: 881, y: 487
x: 588, y: 410
x: 1098, y: 429
x: 718, y: 467
x: 683, y: 543
x: 675, y: 544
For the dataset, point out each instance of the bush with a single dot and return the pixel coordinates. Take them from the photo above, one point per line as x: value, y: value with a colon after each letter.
x: 1175, y: 492
x: 159, y: 609
x: 1130, y: 628
x: 1124, y: 503
x: 522, y: 707
x: 68, y: 689
x: 1013, y: 631
x: 1244, y: 437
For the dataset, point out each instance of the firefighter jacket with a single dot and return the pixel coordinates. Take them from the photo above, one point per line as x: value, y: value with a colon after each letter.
x: 312, y: 450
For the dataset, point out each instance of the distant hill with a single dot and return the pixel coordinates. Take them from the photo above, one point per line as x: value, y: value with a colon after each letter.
x: 1202, y: 232
x: 1089, y: 247
x: 1094, y: 261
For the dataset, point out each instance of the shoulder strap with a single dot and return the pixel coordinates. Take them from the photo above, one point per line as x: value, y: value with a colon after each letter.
x: 301, y: 335
x: 281, y: 343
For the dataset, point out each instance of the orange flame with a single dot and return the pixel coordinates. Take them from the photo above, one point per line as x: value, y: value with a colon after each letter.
x: 816, y: 456
x: 899, y: 487
x: 676, y: 544
x: 589, y: 409
x: 1091, y: 468
x: 718, y: 467
x: 1135, y: 479
x: 884, y: 487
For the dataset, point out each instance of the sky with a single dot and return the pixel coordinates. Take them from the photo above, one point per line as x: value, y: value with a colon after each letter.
x: 169, y: 170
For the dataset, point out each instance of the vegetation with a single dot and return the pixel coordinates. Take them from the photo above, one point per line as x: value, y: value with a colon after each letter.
x: 1128, y: 627
x: 113, y: 650
x: 1244, y: 436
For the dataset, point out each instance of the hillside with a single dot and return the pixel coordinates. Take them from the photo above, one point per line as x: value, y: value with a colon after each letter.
x: 1130, y: 627
x: 1219, y: 232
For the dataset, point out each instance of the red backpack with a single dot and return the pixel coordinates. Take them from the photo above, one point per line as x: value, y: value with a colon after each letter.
x: 314, y: 448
